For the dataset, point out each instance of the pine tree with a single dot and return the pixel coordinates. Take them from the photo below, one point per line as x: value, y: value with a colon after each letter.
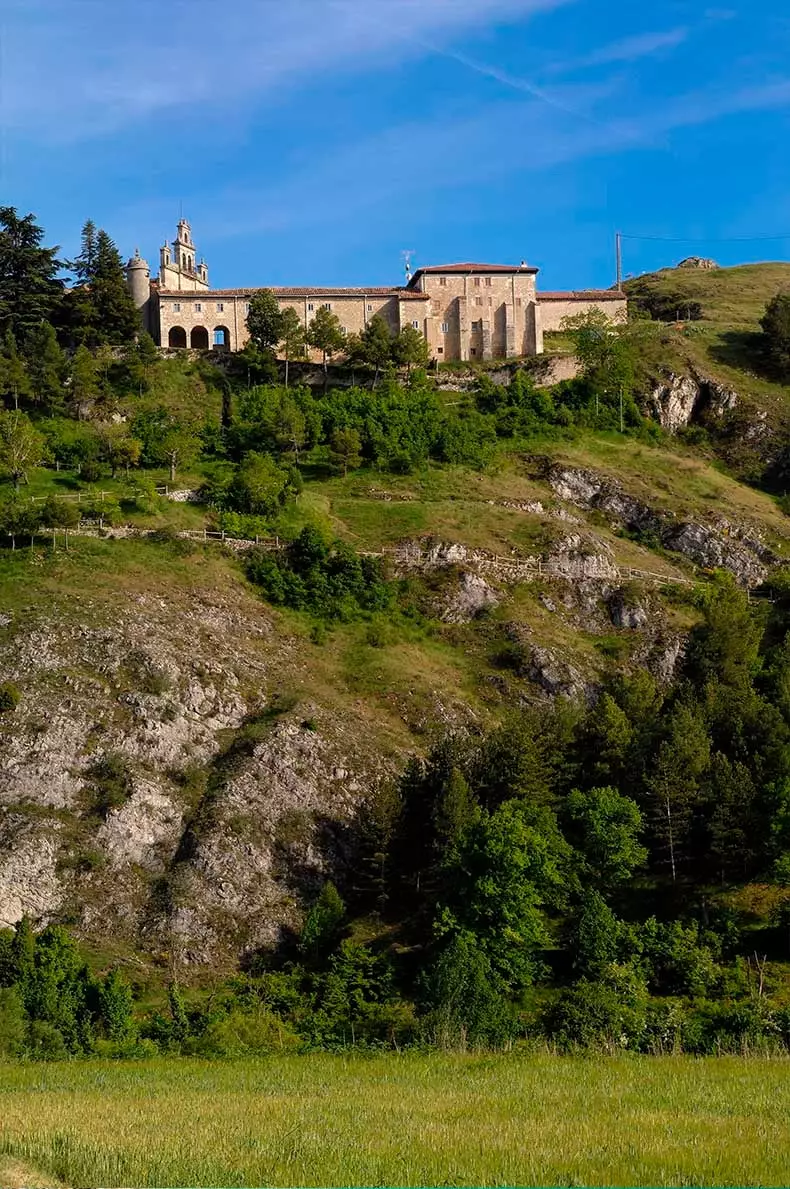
x: 84, y: 265
x: 29, y: 292
x: 376, y: 345
x: 46, y: 366
x: 117, y: 318
x: 84, y: 379
x: 14, y: 379
x: 410, y: 348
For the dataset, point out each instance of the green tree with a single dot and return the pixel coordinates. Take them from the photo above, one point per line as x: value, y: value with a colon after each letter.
x: 290, y: 426
x: 776, y: 332
x: 14, y: 378
x: 265, y: 320
x: 292, y: 337
x: 84, y: 380
x: 345, y: 450
x: 466, y: 997
x: 605, y: 827
x: 117, y: 318
x: 506, y: 867
x: 597, y: 936
x: 29, y: 292
x: 13, y: 1022
x: 115, y: 1007
x: 410, y: 349
x: 21, y: 446
x: 46, y: 367
x: 260, y: 485
x: 374, y: 346
x: 323, y: 925
x: 325, y: 334
x: 19, y: 518
x: 84, y: 264
x: 673, y: 782
x: 118, y: 448
x: 726, y: 646
x: 60, y: 514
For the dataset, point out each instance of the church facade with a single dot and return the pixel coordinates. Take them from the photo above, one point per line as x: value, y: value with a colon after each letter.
x: 468, y: 312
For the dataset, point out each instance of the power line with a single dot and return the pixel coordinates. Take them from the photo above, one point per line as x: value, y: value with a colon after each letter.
x: 703, y: 239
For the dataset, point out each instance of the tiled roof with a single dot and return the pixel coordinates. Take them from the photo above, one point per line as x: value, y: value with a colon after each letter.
x: 296, y: 291
x: 583, y: 295
x: 473, y: 268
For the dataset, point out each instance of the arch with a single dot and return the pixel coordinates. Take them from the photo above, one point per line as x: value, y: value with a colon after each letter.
x: 198, y: 339
x: 177, y: 337
x: 221, y: 337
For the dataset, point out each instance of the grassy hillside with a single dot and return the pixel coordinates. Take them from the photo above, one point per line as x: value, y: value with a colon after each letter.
x: 725, y: 343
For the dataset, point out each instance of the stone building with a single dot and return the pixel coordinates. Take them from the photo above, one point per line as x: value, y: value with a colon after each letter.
x: 465, y: 311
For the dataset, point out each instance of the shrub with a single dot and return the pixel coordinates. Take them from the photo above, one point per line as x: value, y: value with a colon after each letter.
x: 9, y: 697
x: 242, y: 1033
x: 110, y: 784
x: 596, y: 1015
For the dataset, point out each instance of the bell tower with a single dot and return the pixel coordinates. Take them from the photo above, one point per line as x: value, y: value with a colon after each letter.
x: 177, y: 262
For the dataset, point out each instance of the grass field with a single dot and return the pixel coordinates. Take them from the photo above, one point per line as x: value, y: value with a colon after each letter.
x: 400, y: 1120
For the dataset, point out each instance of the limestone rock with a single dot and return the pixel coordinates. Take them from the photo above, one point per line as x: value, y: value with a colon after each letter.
x: 473, y: 597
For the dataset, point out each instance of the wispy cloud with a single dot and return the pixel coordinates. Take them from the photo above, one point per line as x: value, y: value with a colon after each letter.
x: 99, y: 66
x: 628, y: 49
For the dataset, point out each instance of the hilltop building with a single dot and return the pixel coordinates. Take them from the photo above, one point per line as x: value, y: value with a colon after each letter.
x: 466, y: 311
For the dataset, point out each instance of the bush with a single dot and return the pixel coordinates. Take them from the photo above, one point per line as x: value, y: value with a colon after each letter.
x: 596, y: 1015
x: 12, y: 1022
x: 325, y: 577
x: 243, y: 1033
x: 9, y: 697
x: 110, y: 784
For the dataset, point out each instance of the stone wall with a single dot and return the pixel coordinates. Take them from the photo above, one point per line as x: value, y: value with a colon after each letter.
x: 553, y: 310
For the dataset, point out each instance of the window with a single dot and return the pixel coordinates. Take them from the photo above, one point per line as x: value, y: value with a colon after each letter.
x: 443, y: 281
x: 416, y: 325
x: 176, y: 307
x: 440, y: 350
x: 370, y: 309
x: 310, y: 307
x: 477, y: 325
x: 327, y: 305
x: 445, y: 327
x: 518, y: 302
x: 246, y: 307
x: 473, y: 351
x: 477, y: 282
x: 198, y: 307
x: 488, y: 282
x: 220, y: 306
x: 490, y: 301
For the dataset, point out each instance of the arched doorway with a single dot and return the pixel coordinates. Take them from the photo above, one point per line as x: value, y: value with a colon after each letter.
x: 177, y: 337
x: 221, y: 337
x: 198, y: 339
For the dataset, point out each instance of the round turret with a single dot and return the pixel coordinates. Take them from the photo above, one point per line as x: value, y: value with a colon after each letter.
x: 138, y: 279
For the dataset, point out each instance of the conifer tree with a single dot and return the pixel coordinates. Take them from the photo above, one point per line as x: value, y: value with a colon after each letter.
x: 117, y: 319
x: 14, y: 379
x: 84, y: 265
x: 29, y: 292
x: 46, y: 367
x: 292, y: 337
x: 84, y: 379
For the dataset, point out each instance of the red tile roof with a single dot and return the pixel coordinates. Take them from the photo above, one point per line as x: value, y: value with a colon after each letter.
x: 583, y: 295
x: 470, y: 267
x: 296, y: 291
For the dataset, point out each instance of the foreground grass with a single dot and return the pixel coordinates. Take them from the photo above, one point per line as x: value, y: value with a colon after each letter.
x: 402, y: 1120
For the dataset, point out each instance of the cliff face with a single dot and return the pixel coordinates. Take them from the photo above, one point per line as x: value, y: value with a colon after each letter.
x: 155, y: 786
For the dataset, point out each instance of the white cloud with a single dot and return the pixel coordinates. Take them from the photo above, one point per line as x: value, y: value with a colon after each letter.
x: 98, y: 66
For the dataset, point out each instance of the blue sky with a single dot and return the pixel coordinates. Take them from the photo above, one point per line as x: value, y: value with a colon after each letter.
x: 311, y: 141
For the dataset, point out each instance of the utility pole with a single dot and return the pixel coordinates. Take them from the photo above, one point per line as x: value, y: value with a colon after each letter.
x: 619, y: 253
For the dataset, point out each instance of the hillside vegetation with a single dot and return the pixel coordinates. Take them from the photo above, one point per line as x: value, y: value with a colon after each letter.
x: 420, y: 715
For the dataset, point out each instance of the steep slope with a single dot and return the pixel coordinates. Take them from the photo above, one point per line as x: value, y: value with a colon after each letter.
x: 185, y: 763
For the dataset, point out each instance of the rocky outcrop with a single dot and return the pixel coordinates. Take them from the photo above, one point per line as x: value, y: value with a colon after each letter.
x: 471, y: 598
x: 625, y: 611
x: 718, y: 544
x: 681, y: 399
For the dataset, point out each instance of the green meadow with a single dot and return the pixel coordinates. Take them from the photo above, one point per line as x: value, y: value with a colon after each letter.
x: 412, y: 1119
